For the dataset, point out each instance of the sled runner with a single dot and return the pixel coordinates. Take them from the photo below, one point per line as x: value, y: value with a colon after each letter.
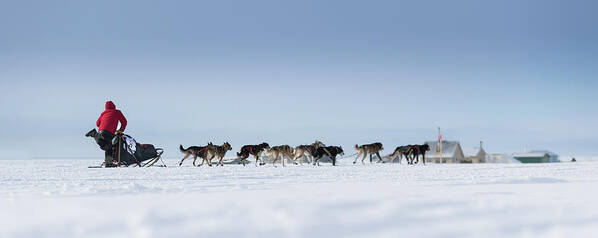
x: 127, y: 152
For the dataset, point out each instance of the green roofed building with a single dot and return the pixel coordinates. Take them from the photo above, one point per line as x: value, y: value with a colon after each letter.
x: 538, y: 156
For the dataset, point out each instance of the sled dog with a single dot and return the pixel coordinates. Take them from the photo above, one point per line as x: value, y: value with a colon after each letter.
x: 282, y: 150
x: 400, y: 152
x: 306, y: 150
x: 194, y: 151
x: 330, y: 151
x: 368, y: 149
x: 255, y: 150
x: 216, y: 151
x: 418, y: 150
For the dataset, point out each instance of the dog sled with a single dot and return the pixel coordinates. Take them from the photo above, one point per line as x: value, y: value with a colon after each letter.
x: 126, y: 152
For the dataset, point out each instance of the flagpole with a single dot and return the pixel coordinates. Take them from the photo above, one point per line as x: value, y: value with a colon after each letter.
x: 440, y: 144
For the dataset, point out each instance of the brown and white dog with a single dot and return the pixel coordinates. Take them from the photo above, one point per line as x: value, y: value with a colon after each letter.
x: 216, y: 151
x: 282, y: 150
x: 368, y: 149
x: 306, y: 150
x: 195, y: 151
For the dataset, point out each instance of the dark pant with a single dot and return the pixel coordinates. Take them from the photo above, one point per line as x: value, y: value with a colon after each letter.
x: 104, y: 140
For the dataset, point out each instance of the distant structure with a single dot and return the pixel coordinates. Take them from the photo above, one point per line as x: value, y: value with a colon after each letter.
x: 501, y: 158
x: 451, y: 152
x: 475, y: 155
x: 537, y: 156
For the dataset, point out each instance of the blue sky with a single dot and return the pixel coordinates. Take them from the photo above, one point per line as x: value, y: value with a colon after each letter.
x: 514, y: 74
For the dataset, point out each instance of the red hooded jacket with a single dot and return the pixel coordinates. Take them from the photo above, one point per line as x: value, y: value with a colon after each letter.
x: 110, y: 118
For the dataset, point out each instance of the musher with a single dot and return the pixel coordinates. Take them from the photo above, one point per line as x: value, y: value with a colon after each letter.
x: 107, y: 124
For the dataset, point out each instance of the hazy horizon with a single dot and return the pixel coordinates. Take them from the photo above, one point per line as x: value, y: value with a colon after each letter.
x: 512, y: 74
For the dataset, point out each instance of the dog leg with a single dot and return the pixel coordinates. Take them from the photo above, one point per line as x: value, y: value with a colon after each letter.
x: 261, y: 161
x: 209, y: 158
x: 413, y: 159
x: 205, y: 158
x: 303, y: 156
x: 194, y: 158
x: 244, y: 159
x: 379, y: 157
x: 275, y: 159
x: 357, y: 157
x: 220, y: 161
x: 295, y: 159
x: 186, y: 156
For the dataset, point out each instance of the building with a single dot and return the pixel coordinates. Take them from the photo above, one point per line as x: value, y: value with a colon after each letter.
x: 451, y: 152
x: 475, y: 155
x: 501, y: 158
x: 538, y: 156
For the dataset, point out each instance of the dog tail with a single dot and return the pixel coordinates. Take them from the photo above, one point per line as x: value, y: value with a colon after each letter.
x: 356, y: 147
x: 182, y: 149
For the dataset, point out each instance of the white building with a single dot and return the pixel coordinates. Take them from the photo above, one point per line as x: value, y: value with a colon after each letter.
x: 475, y: 155
x: 451, y: 152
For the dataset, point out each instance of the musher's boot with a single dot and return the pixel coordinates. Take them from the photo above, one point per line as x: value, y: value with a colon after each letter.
x: 91, y: 133
x: 109, y: 162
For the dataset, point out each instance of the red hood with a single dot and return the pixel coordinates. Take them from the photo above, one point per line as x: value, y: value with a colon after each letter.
x: 110, y: 105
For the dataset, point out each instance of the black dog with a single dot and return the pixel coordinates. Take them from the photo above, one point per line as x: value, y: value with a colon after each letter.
x: 417, y: 150
x: 330, y: 151
x: 254, y: 150
x: 400, y: 152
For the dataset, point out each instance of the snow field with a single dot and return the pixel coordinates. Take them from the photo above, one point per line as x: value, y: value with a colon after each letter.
x: 63, y: 198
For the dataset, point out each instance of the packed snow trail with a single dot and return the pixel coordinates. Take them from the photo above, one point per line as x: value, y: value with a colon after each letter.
x: 41, y: 198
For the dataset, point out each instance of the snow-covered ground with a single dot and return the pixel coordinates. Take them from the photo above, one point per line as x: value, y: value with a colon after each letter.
x: 42, y: 198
